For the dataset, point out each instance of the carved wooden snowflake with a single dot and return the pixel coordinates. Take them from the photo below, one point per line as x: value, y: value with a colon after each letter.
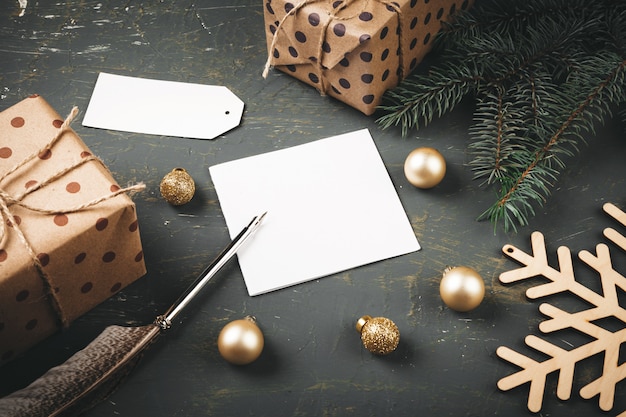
x: 603, y: 305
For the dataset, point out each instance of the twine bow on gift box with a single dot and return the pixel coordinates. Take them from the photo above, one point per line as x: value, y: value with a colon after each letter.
x: 9, y: 220
x: 316, y: 60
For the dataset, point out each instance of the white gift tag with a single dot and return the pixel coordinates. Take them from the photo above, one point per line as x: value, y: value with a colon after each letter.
x: 157, y: 107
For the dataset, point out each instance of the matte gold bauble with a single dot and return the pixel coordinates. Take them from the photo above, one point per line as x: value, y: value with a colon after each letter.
x: 177, y: 187
x: 379, y: 334
x: 241, y: 341
x: 462, y: 288
x: 425, y: 167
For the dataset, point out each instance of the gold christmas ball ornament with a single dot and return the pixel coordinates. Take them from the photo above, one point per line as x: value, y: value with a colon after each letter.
x: 379, y: 334
x: 462, y: 288
x: 241, y: 341
x: 424, y: 167
x: 177, y: 187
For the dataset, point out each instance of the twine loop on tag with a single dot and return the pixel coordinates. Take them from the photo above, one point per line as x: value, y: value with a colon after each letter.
x: 9, y: 221
x: 317, y: 62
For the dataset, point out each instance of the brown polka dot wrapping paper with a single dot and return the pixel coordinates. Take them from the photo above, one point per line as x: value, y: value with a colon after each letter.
x: 84, y: 256
x: 353, y: 50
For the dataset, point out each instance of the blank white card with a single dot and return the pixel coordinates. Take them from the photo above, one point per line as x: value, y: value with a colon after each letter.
x: 331, y: 207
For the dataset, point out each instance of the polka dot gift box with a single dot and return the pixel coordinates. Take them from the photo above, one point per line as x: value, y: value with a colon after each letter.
x: 353, y: 50
x: 69, y: 234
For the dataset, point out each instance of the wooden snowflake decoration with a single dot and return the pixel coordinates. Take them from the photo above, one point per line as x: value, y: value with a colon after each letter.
x: 603, y: 305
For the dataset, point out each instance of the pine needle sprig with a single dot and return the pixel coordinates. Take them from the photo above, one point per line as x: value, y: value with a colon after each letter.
x: 496, y: 140
x: 543, y: 74
x: 531, y: 185
x: 464, y: 70
x: 517, y: 17
x: 419, y: 100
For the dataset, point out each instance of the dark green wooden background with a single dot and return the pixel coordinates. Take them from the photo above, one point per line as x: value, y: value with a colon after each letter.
x: 313, y: 364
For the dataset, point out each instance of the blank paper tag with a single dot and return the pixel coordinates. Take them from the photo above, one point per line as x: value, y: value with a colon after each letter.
x: 157, y: 107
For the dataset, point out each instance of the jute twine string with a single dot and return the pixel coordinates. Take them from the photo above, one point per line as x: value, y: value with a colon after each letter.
x: 7, y: 200
x: 332, y: 17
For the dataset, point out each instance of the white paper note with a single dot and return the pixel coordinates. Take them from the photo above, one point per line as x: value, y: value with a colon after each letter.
x: 331, y: 207
x: 157, y: 107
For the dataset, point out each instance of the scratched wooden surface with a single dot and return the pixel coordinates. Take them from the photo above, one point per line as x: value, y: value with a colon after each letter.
x: 313, y: 363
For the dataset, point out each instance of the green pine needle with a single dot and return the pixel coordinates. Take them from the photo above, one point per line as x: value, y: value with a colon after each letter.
x: 543, y: 73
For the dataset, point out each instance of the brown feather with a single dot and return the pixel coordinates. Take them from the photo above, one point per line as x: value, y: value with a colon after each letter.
x: 84, y: 379
x: 94, y: 372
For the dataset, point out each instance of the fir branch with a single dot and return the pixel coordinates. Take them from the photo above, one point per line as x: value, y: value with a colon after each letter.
x: 616, y: 22
x: 544, y: 74
x: 495, y: 139
x: 514, y: 206
x: 516, y: 17
x: 419, y: 100
x: 553, y: 45
x: 488, y: 60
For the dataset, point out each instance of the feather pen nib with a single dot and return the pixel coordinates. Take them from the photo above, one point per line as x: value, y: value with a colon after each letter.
x: 259, y: 219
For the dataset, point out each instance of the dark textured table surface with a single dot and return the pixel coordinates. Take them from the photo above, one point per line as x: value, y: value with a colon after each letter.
x: 313, y: 363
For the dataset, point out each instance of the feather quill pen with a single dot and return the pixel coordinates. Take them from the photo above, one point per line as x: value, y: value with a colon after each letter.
x: 93, y: 373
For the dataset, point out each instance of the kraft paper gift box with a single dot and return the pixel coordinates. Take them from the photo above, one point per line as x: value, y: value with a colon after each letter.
x: 62, y: 251
x: 353, y: 50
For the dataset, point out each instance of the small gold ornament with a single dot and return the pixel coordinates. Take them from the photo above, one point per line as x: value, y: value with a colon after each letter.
x: 462, y: 288
x: 424, y: 167
x: 177, y: 187
x: 241, y: 341
x: 379, y: 334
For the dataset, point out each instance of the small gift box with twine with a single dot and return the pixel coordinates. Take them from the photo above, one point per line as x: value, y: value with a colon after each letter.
x: 353, y: 50
x: 69, y: 236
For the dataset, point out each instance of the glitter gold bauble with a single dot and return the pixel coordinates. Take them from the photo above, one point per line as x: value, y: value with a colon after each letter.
x: 379, y: 334
x: 241, y: 341
x: 462, y: 288
x: 425, y: 167
x: 177, y: 187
